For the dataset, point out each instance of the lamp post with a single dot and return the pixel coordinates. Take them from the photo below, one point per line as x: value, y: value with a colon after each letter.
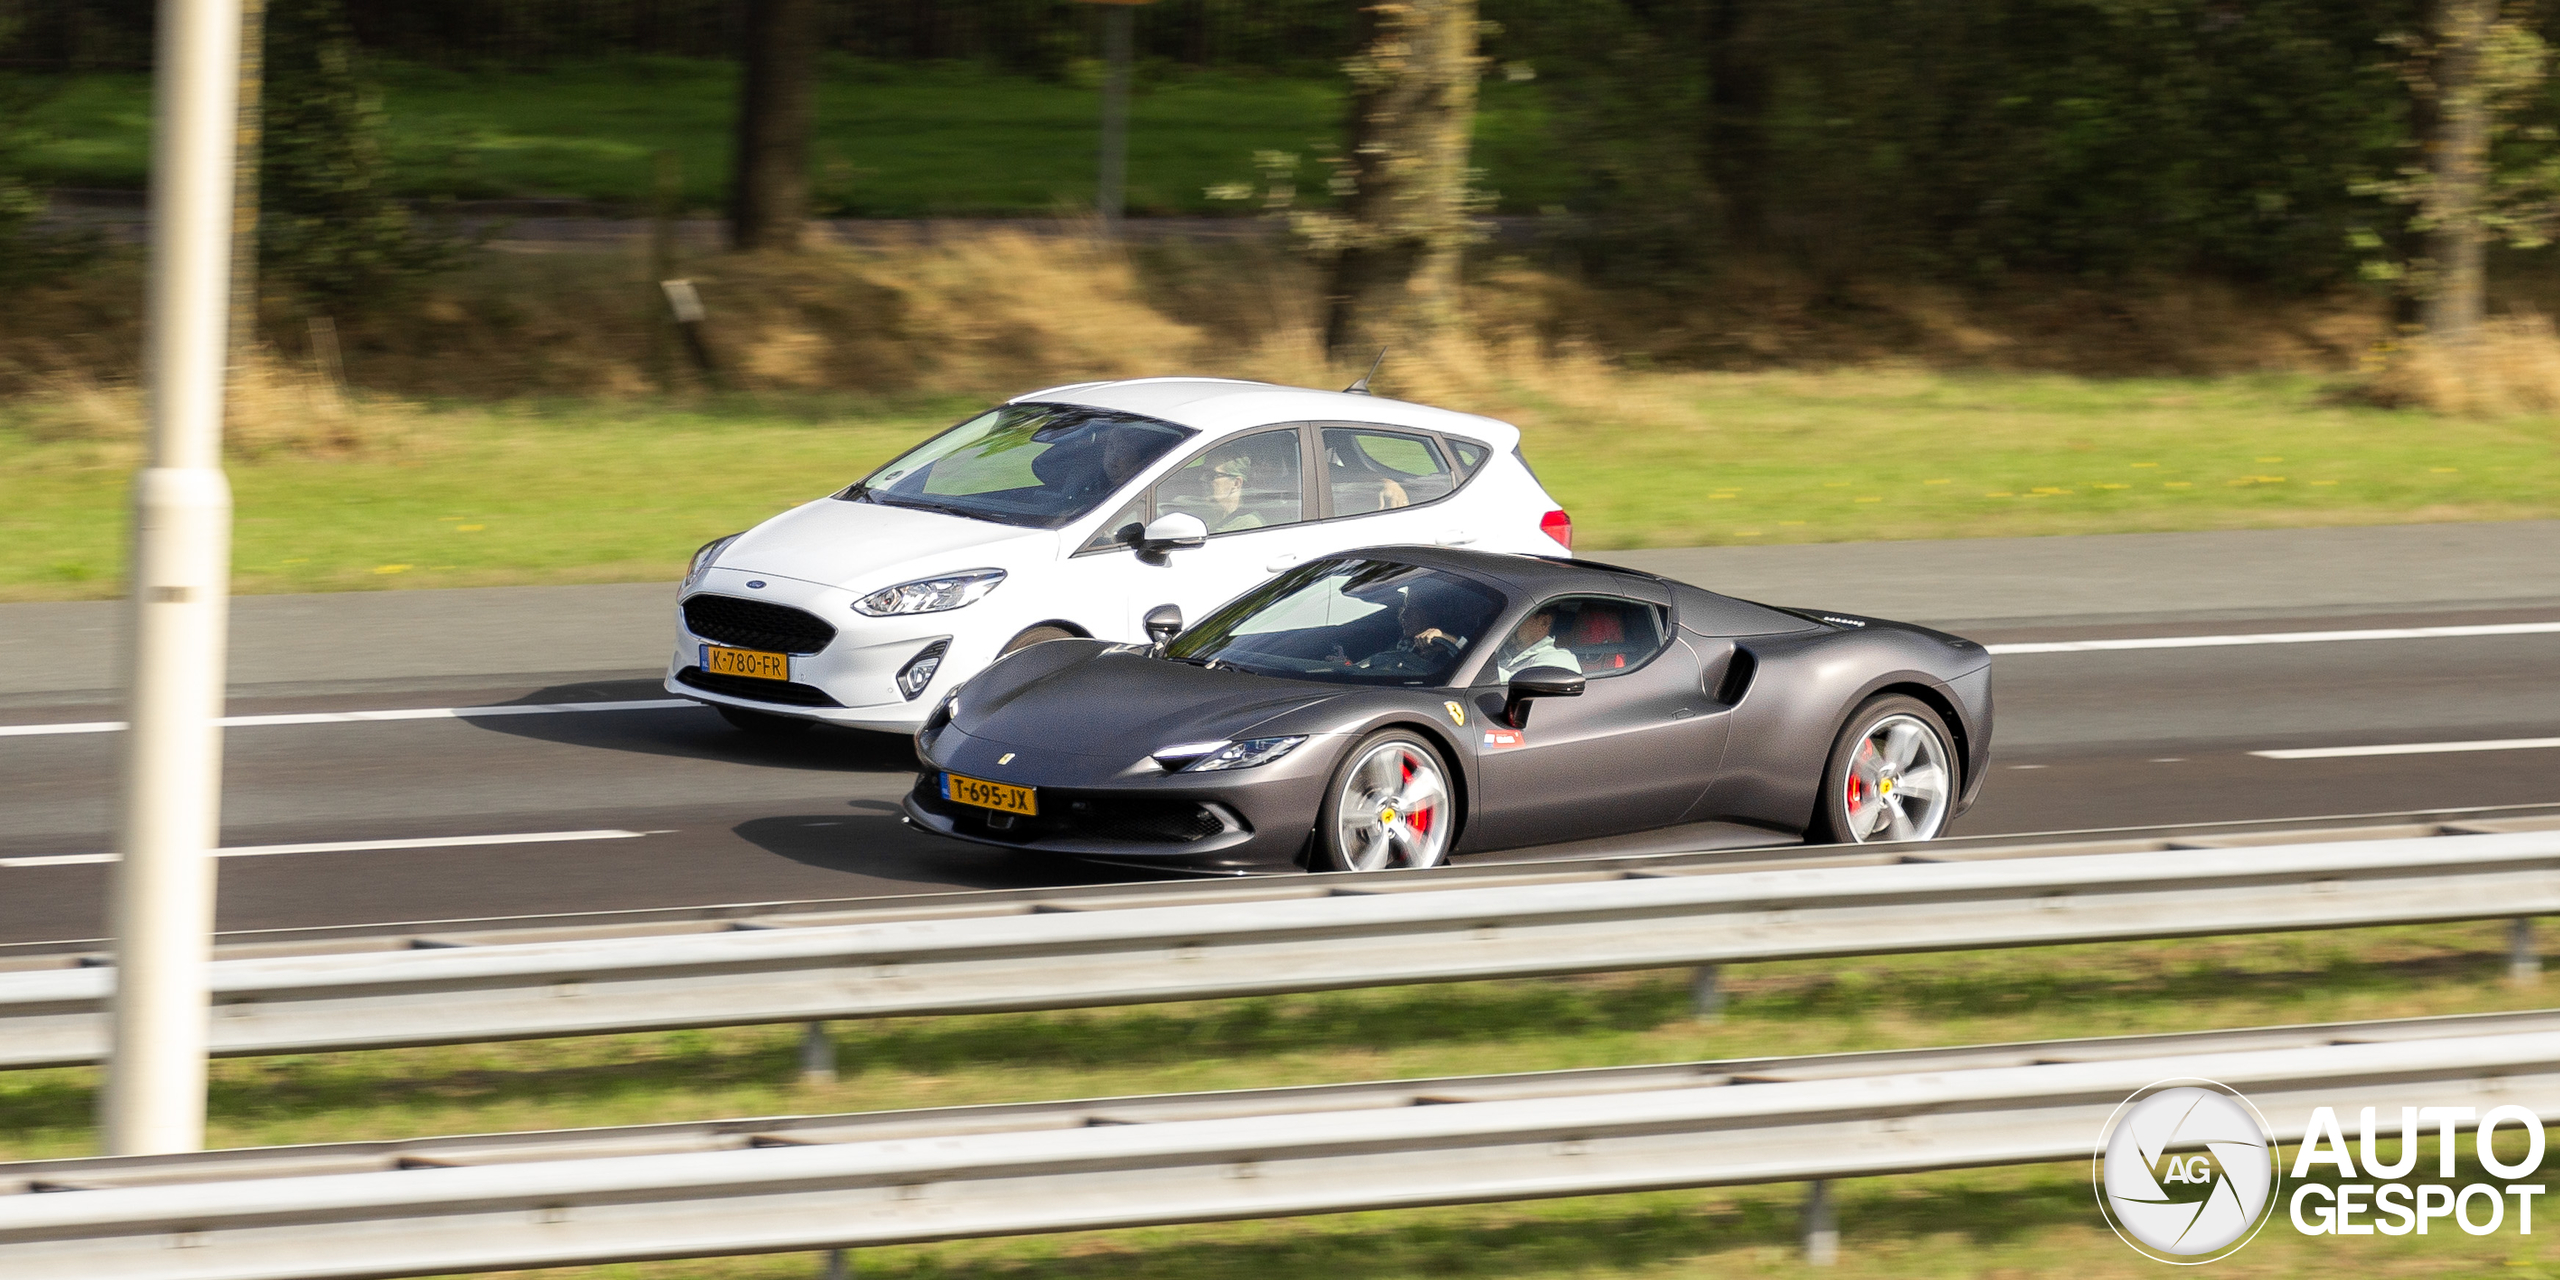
x: 170, y: 809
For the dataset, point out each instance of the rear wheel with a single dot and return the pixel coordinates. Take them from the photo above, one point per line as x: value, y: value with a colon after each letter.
x: 1389, y: 805
x: 1034, y: 635
x: 1892, y: 775
x: 763, y: 723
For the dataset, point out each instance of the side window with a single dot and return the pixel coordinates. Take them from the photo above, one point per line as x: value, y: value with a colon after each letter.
x: 1595, y: 635
x: 1121, y: 529
x: 1471, y: 455
x: 1381, y: 470
x: 1251, y: 482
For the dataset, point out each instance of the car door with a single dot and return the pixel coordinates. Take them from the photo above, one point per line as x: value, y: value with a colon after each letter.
x: 1250, y: 490
x: 1633, y: 752
x: 1381, y: 486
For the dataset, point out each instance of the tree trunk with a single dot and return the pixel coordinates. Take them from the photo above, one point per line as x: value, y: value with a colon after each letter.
x: 769, y: 186
x: 2458, y: 164
x: 1413, y: 105
x: 1737, y: 159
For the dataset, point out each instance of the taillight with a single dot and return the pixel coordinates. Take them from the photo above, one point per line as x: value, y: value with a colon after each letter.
x: 1559, y: 526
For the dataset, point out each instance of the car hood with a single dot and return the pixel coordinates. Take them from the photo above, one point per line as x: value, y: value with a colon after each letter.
x: 865, y: 545
x: 1084, y: 697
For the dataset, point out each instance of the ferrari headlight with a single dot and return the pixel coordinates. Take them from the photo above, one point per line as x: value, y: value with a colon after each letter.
x: 704, y: 555
x: 1245, y: 754
x: 930, y: 595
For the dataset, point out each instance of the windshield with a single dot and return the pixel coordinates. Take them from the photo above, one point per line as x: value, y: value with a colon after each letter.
x: 1348, y: 622
x: 1031, y: 464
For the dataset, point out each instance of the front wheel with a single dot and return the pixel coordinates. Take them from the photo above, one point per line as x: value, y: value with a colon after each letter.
x: 1892, y: 776
x: 1389, y: 805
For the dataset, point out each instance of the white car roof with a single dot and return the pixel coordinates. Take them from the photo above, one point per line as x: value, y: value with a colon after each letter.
x: 1217, y: 406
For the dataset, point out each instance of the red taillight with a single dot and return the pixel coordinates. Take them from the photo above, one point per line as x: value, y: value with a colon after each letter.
x: 1559, y: 526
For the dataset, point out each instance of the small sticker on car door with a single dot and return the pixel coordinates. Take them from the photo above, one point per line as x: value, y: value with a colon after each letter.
x: 1503, y: 739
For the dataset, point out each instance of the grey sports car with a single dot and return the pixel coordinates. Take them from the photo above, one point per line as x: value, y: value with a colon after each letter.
x: 1392, y: 707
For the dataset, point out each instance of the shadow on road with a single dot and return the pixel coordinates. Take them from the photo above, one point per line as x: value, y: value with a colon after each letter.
x: 869, y: 840
x: 697, y: 733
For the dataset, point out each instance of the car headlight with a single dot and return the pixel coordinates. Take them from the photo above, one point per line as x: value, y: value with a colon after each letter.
x: 930, y: 595
x: 1242, y: 755
x: 704, y: 555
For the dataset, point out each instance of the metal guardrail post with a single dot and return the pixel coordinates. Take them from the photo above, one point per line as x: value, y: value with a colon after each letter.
x: 2524, y: 961
x: 839, y: 1264
x: 817, y: 1054
x: 1706, y: 993
x: 1821, y: 1228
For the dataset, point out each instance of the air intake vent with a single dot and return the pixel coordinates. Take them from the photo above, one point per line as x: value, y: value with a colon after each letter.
x: 754, y: 624
x: 1737, y: 677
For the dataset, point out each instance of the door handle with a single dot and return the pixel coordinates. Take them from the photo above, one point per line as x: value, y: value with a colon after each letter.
x: 1280, y: 562
x: 1454, y: 538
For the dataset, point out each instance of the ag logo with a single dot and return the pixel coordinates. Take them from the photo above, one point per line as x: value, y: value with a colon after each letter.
x: 2186, y: 1171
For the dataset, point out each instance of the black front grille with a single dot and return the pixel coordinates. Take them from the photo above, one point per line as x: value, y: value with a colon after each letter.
x: 754, y: 624
x: 784, y: 692
x: 1066, y: 816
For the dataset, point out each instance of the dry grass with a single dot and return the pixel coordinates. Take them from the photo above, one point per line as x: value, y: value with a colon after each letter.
x: 276, y: 406
x: 2511, y: 366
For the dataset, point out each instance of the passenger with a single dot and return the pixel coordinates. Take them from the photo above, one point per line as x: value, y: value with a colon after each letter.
x: 1533, y: 644
x: 1226, y: 493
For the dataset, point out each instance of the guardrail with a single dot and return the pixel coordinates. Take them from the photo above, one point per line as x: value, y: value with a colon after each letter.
x: 346, y: 1211
x: 1250, y: 939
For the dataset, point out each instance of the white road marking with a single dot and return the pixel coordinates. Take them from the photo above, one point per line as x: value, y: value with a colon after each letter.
x: 348, y: 846
x: 2411, y: 748
x: 357, y: 717
x: 2282, y: 637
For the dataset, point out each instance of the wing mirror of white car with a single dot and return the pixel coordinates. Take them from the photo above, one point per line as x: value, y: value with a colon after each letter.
x: 1179, y: 529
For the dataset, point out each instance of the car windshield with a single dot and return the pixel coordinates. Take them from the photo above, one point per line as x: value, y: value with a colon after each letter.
x: 1029, y: 464
x: 1348, y: 622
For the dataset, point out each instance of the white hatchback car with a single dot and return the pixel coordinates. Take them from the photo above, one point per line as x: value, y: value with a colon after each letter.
x: 1077, y: 511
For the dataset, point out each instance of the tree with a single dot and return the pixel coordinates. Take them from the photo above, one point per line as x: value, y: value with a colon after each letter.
x: 769, y: 187
x: 1397, y: 244
x: 2457, y: 151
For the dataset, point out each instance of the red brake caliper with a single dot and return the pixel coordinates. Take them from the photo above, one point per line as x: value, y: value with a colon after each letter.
x: 1856, y: 791
x: 1419, y: 819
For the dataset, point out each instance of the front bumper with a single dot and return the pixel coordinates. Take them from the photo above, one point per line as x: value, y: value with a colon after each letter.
x: 1132, y: 813
x: 852, y: 680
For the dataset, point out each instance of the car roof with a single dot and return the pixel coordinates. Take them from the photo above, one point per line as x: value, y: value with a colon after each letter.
x: 1217, y: 406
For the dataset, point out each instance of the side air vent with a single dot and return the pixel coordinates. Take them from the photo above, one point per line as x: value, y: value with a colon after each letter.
x: 756, y: 624
x: 1737, y: 677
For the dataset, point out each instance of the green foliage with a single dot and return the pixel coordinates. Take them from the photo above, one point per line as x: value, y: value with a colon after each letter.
x: 330, y: 227
x: 28, y: 250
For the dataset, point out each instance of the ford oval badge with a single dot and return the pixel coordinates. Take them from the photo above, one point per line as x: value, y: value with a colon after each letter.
x: 755, y: 584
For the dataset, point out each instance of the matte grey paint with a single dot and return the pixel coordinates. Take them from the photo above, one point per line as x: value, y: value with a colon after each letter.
x: 1643, y: 747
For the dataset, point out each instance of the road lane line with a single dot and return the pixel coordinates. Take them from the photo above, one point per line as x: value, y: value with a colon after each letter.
x: 2411, y: 748
x: 358, y: 717
x: 348, y: 846
x: 2282, y: 637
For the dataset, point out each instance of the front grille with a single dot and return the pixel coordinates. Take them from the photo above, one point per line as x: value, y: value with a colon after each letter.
x: 783, y: 692
x: 754, y: 624
x: 1065, y: 816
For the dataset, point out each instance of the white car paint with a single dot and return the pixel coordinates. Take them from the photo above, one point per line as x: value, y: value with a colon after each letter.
x: 824, y: 555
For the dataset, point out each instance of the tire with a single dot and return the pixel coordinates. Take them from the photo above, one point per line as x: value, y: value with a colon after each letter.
x: 1892, y: 775
x: 1367, y: 822
x: 763, y: 724
x: 1032, y: 636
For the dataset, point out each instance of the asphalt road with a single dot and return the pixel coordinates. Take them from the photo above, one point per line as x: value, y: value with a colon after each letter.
x: 672, y: 807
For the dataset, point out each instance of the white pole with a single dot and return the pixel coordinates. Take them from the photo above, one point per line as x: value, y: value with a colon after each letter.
x: 171, y: 807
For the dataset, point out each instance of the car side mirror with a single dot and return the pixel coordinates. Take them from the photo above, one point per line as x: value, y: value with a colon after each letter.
x: 1537, y: 682
x: 1167, y: 532
x: 1164, y: 622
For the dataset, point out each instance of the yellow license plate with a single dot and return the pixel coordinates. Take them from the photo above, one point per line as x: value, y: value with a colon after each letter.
x: 754, y: 664
x: 989, y: 795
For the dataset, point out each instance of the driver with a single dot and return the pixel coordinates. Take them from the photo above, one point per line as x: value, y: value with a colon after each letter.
x: 1423, y: 648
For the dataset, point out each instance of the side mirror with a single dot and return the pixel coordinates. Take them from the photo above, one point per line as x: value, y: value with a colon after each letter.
x: 1164, y: 622
x: 1537, y: 682
x: 1179, y: 529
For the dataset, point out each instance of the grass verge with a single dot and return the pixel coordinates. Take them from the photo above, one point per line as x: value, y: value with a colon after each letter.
x: 2025, y: 1221
x: 550, y: 492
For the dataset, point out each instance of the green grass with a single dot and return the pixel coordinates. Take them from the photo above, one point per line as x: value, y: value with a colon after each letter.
x: 892, y: 140
x: 2025, y: 1221
x: 623, y: 492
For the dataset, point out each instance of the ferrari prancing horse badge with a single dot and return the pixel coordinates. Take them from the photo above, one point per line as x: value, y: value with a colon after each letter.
x: 1457, y: 713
